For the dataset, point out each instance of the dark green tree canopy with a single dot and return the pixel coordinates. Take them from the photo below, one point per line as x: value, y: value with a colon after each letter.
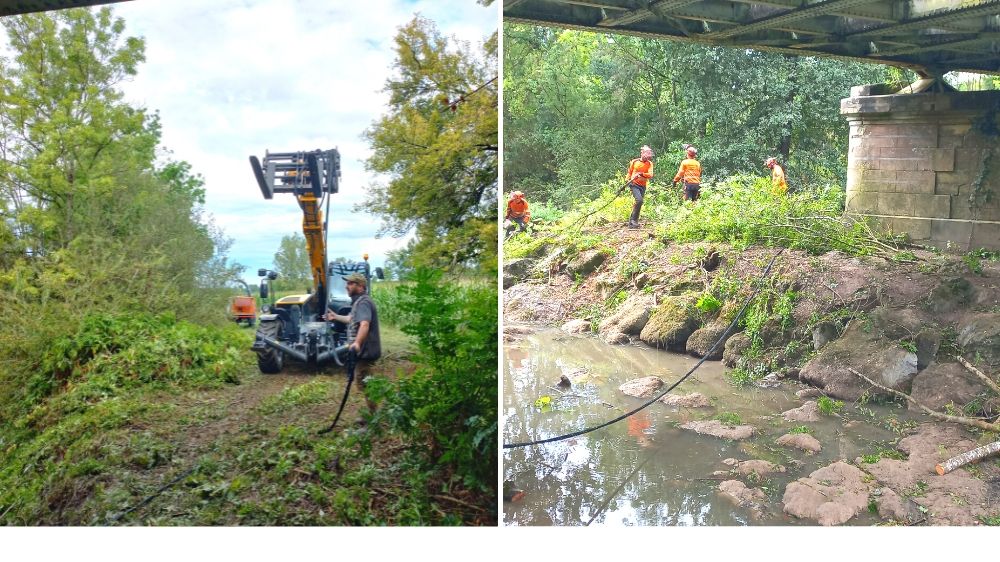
x: 578, y: 105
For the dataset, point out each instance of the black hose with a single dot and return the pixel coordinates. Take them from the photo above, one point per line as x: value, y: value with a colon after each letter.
x: 721, y: 339
x: 351, y: 364
x: 157, y: 493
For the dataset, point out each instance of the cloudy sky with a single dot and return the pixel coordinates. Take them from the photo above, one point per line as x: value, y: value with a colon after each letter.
x: 232, y: 78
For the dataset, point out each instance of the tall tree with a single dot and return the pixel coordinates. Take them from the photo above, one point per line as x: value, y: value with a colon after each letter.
x: 439, y: 145
x: 85, y: 208
x: 292, y: 263
x: 67, y: 134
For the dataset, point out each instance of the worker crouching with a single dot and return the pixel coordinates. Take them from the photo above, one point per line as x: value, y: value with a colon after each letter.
x: 517, y: 215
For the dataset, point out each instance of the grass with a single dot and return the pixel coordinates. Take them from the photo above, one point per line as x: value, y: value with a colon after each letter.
x: 828, y: 406
x: 729, y: 418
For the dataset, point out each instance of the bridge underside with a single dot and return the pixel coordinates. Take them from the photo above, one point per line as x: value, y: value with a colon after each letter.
x: 27, y: 6
x: 929, y: 36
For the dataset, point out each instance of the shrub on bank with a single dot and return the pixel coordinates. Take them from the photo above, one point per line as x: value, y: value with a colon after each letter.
x: 449, y: 402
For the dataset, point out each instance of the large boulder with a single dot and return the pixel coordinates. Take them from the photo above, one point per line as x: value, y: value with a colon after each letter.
x: 950, y: 295
x: 831, y: 495
x: 630, y: 318
x: 881, y: 360
x: 979, y: 336
x: 669, y: 325
x: 956, y: 498
x: 518, y: 268
x: 586, y: 262
x: 897, y: 323
x: 702, y: 339
x: 641, y: 388
x: 944, y: 383
x: 734, y: 348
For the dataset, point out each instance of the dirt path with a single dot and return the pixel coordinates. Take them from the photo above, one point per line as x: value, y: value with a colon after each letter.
x: 217, y: 428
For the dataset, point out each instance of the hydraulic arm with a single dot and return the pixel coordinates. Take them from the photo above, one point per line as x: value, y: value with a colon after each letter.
x: 311, y: 177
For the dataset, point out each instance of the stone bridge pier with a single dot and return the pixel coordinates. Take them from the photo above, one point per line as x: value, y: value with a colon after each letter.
x: 926, y: 164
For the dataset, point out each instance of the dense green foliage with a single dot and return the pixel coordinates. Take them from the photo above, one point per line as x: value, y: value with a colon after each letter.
x: 67, y: 419
x: 439, y: 146
x: 449, y: 403
x: 742, y: 211
x: 577, y: 106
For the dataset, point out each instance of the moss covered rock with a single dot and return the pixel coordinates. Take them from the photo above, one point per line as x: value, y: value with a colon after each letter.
x: 670, y: 325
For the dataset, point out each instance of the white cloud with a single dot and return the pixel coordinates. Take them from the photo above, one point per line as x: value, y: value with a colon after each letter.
x: 231, y: 78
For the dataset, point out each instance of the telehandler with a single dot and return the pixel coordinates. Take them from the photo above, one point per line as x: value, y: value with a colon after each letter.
x: 293, y: 326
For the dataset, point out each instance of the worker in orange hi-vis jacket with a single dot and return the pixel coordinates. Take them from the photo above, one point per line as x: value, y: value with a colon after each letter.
x: 690, y: 173
x: 778, y: 184
x: 517, y: 213
x: 640, y: 170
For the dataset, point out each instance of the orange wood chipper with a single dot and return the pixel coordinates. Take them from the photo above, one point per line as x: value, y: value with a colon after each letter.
x: 243, y: 308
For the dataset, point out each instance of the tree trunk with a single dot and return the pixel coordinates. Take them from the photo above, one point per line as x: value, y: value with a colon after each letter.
x: 967, y: 457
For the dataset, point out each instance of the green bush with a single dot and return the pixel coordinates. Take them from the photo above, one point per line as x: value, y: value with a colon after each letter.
x: 708, y: 304
x: 450, y: 400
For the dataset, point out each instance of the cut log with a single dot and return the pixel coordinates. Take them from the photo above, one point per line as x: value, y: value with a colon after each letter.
x: 967, y: 457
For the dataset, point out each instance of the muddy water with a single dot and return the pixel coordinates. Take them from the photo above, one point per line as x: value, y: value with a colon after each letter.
x: 645, y: 470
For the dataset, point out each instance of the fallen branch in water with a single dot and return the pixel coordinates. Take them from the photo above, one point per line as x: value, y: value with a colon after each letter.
x: 967, y: 457
x: 972, y: 422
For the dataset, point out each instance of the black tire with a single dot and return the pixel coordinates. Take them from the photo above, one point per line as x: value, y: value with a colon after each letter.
x: 270, y: 361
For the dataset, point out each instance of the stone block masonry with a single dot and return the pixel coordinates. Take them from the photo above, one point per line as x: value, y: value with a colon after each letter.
x: 927, y: 165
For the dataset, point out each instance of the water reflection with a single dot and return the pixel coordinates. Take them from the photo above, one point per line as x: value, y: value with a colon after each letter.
x: 645, y: 470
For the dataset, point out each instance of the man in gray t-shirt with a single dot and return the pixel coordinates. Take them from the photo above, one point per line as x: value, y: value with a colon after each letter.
x: 362, y: 329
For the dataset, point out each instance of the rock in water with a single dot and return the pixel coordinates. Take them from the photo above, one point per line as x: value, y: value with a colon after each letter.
x: 578, y: 326
x: 693, y: 400
x: 715, y: 428
x: 831, y: 495
x: 808, y: 412
x: 642, y: 388
x: 802, y: 441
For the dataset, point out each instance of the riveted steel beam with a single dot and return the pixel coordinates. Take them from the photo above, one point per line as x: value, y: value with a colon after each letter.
x: 935, y: 19
x: 798, y: 14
